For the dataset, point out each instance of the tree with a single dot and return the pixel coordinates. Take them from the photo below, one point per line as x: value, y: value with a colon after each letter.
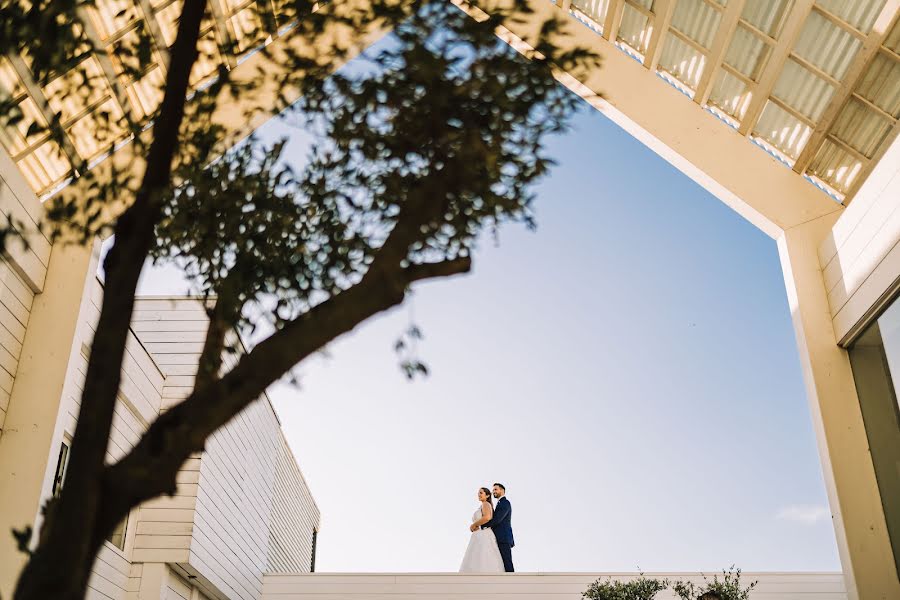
x: 441, y: 140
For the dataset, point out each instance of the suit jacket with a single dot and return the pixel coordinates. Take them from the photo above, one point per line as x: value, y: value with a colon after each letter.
x: 501, y: 522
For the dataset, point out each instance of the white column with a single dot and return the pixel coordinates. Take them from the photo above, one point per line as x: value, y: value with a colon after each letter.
x: 154, y: 581
x: 33, y: 431
x: 859, y: 523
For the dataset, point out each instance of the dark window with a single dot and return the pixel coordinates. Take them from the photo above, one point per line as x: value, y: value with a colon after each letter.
x: 117, y: 537
x: 312, y: 561
x: 61, y: 464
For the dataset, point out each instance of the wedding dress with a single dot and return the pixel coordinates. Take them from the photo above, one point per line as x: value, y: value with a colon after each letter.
x: 482, y: 555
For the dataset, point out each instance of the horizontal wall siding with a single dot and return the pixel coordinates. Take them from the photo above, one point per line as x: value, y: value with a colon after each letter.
x: 294, y: 515
x: 254, y: 511
x: 109, y: 576
x: 18, y: 203
x: 861, y: 257
x: 534, y: 586
x: 172, y: 332
x: 16, y: 299
x: 177, y: 588
x: 137, y: 406
x: 166, y: 525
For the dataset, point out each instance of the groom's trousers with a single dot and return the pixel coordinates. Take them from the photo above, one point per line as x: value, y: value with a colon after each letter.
x: 506, y: 553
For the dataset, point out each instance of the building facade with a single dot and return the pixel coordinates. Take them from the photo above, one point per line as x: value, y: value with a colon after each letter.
x: 242, y: 507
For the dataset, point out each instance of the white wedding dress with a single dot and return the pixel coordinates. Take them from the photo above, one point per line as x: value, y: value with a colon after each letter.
x: 482, y: 555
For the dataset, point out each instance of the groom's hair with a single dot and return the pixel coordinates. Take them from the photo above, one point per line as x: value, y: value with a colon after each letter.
x: 501, y: 486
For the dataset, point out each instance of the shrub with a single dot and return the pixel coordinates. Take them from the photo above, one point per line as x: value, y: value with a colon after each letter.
x: 729, y: 588
x: 641, y: 588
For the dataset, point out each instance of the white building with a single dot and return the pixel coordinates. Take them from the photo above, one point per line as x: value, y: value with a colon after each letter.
x: 786, y: 110
x: 242, y: 507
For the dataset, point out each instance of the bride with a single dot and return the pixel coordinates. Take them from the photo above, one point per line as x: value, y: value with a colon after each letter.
x: 482, y: 555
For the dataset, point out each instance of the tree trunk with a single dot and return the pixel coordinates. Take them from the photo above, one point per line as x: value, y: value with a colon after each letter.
x: 60, y: 566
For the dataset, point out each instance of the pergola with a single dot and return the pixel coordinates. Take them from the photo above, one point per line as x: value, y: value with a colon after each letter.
x: 814, y: 83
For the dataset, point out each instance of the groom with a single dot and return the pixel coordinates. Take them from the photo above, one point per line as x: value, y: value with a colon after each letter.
x: 501, y: 523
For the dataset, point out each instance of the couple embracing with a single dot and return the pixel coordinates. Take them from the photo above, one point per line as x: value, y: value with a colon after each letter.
x: 491, y: 544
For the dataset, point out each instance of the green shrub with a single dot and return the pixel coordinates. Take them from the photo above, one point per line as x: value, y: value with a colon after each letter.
x: 729, y: 588
x: 637, y: 589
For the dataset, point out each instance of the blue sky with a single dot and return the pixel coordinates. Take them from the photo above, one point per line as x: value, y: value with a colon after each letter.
x: 629, y: 371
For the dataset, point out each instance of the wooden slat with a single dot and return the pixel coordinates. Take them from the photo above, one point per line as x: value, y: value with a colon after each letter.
x: 789, y: 34
x: 855, y: 72
x: 103, y: 58
x: 727, y: 26
x: 37, y: 94
x: 613, y: 20
x: 662, y: 17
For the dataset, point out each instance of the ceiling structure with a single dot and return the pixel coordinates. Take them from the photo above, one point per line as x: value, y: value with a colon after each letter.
x: 816, y: 83
x: 109, y: 24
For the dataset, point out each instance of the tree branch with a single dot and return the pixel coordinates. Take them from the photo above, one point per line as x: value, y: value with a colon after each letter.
x: 445, y: 268
x: 222, y: 317
x: 151, y: 466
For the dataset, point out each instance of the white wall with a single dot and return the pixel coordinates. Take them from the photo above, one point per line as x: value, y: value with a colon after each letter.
x: 861, y: 257
x: 138, y: 405
x: 19, y: 204
x: 22, y: 272
x: 16, y: 299
x: 241, y: 507
x: 534, y: 586
x: 252, y: 511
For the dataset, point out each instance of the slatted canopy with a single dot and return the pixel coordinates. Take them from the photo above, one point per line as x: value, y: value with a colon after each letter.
x: 814, y: 82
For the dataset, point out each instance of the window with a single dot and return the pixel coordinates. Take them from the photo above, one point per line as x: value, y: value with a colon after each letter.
x: 875, y: 358
x: 61, y: 463
x: 117, y: 537
x: 312, y: 561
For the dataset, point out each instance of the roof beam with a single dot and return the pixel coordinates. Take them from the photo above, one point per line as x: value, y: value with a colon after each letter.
x: 730, y: 17
x: 662, y: 17
x: 155, y: 32
x: 772, y: 70
x: 613, y: 20
x: 764, y: 192
x: 101, y: 51
x: 223, y: 36
x: 265, y: 96
x: 858, y: 67
x: 40, y: 100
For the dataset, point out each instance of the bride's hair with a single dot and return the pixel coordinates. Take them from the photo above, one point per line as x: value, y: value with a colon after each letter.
x: 490, y: 499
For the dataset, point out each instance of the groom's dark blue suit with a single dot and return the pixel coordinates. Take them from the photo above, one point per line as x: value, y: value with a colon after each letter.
x: 501, y: 523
